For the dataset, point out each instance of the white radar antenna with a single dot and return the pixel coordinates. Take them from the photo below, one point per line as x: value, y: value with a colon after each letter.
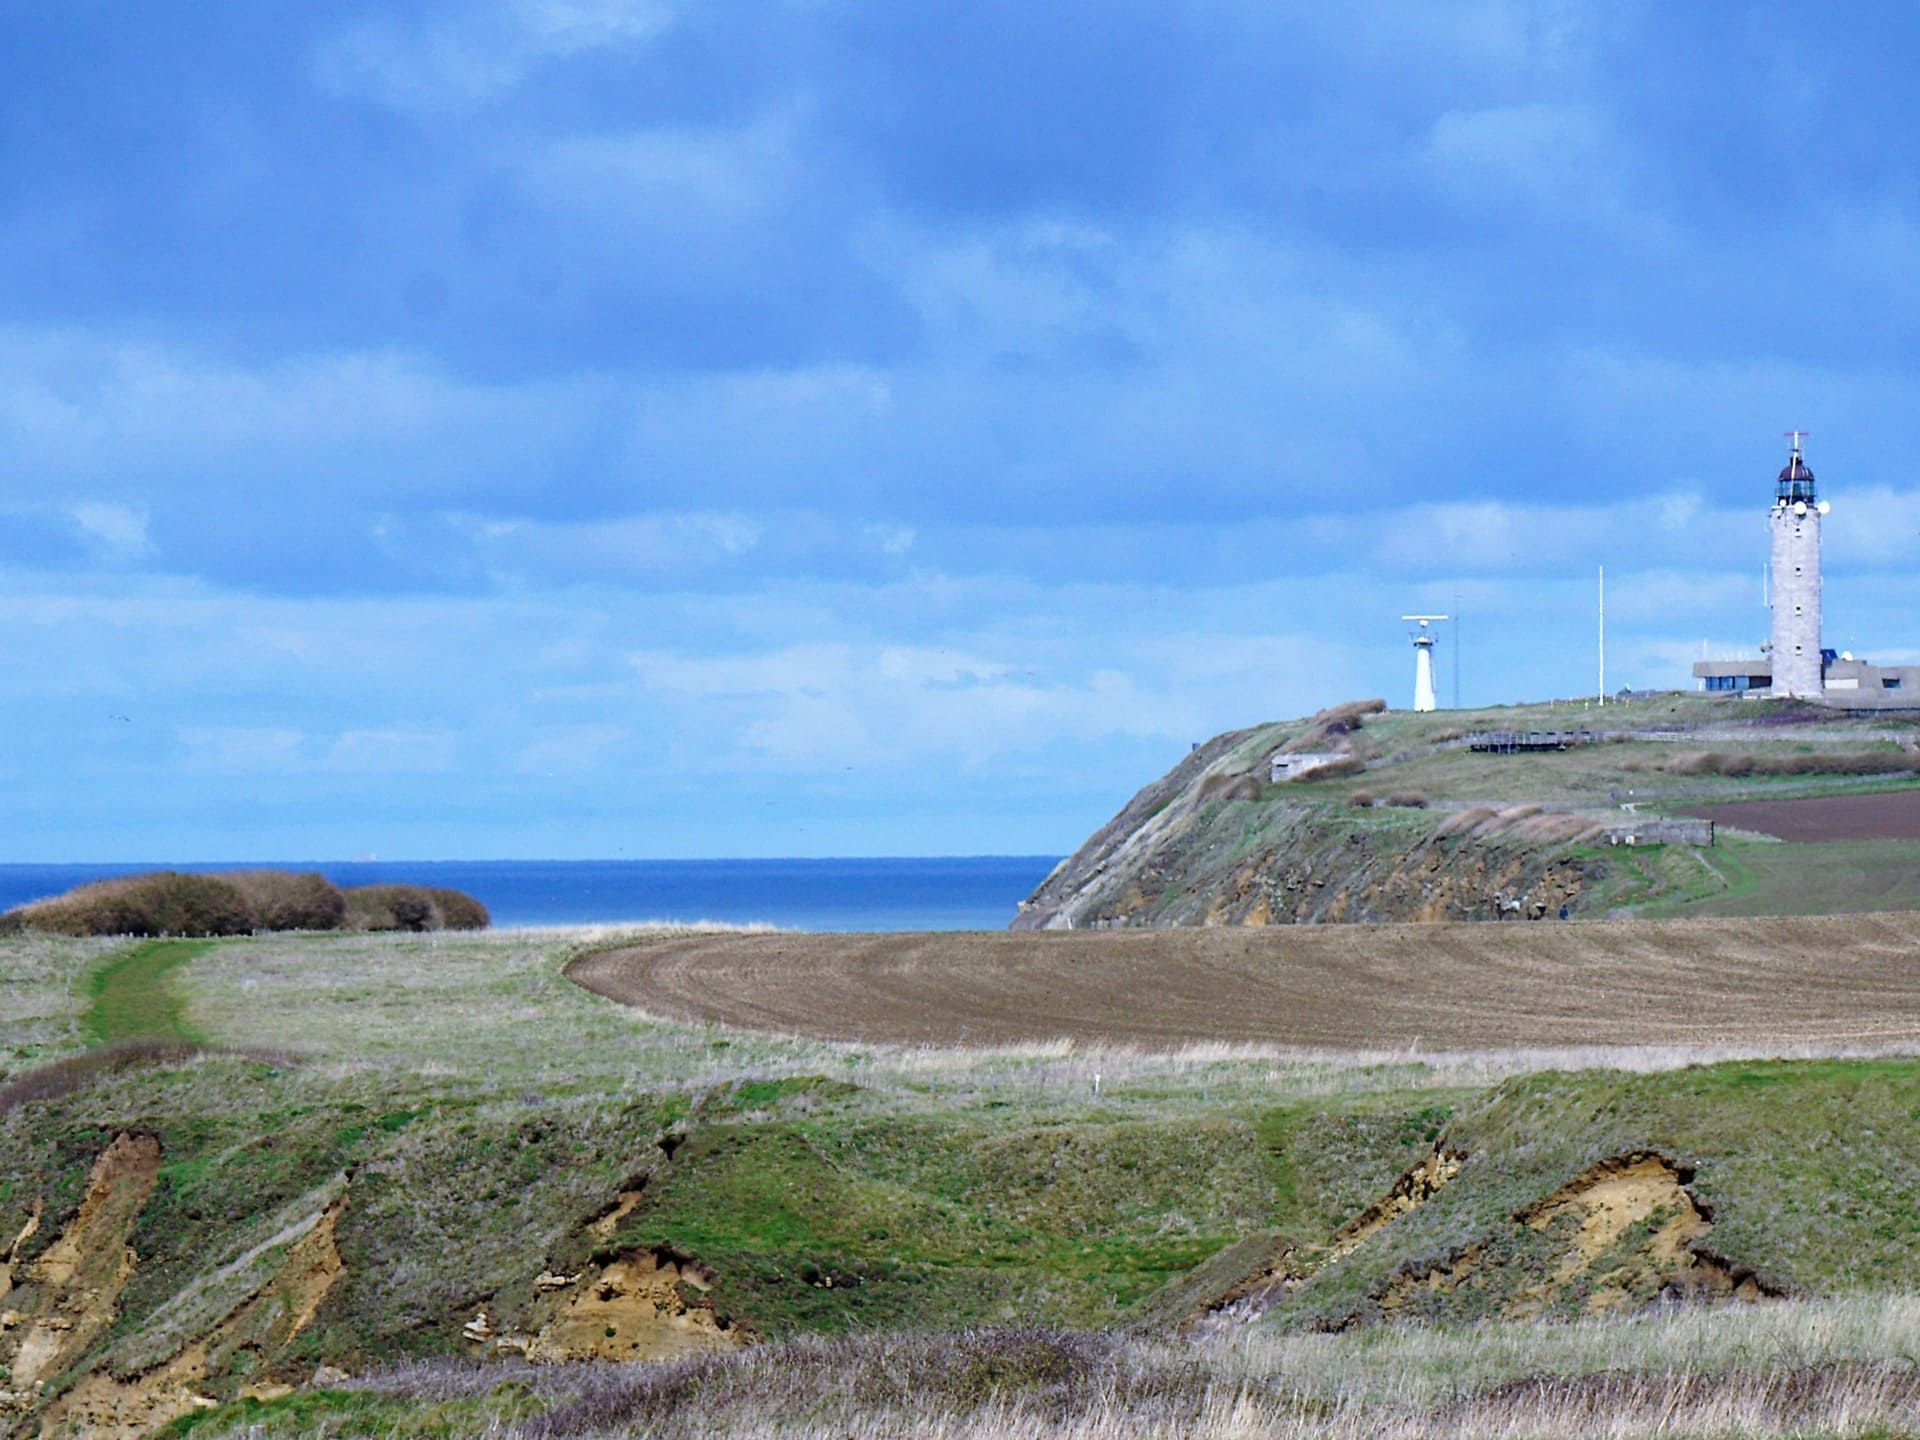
x: 1423, y: 643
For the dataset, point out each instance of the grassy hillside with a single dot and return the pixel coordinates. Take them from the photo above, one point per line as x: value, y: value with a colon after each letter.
x: 1411, y: 824
x: 434, y: 1147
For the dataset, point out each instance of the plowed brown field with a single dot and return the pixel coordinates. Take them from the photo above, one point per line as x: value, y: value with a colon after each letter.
x: 1825, y: 981
x: 1886, y: 815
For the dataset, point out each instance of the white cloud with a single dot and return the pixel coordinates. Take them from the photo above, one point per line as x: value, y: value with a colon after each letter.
x: 117, y: 533
x: 895, y: 540
x: 879, y: 706
x: 243, y: 749
x: 655, y: 178
x: 478, y: 52
x: 74, y: 405
x: 281, y: 751
x: 572, y: 750
x: 380, y: 430
x: 1873, y: 526
x: 389, y: 752
x: 634, y: 549
x: 1535, y: 152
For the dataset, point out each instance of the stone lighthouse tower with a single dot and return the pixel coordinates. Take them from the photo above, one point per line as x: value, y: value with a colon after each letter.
x: 1795, y: 522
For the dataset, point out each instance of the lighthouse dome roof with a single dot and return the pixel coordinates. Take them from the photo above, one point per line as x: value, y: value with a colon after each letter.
x: 1795, y: 483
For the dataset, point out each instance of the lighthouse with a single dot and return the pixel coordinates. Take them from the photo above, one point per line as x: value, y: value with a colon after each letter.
x: 1794, y: 522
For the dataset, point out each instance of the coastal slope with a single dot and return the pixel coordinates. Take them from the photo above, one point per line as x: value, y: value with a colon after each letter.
x: 1560, y: 810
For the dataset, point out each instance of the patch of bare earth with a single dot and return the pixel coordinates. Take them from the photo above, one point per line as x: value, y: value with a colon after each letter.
x: 1628, y: 1232
x: 67, y: 1298
x: 1885, y: 815
x: 1408, y: 1193
x: 645, y: 1302
x: 1823, y: 981
x: 69, y: 1295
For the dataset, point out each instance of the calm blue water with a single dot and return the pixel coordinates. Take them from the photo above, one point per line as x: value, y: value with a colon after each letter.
x: 966, y: 893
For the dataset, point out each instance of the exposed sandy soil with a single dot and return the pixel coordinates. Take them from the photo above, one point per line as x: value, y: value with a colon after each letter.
x: 72, y: 1291
x: 641, y: 1306
x: 1815, y: 981
x: 1888, y: 815
x: 106, y: 1406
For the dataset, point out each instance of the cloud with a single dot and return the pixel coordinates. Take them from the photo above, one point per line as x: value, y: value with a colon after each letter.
x: 571, y: 750
x: 1875, y: 526
x: 884, y: 706
x: 238, y: 750
x: 649, y: 179
x: 638, y: 549
x: 118, y: 533
x: 474, y: 52
x: 243, y: 749
x: 1535, y: 153
x: 389, y: 752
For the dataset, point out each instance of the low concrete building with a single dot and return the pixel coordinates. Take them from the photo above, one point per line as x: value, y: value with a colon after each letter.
x: 1848, y: 678
x: 1848, y: 683
x: 1734, y: 676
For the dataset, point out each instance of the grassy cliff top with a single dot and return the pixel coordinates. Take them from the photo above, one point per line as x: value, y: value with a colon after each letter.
x: 1410, y: 822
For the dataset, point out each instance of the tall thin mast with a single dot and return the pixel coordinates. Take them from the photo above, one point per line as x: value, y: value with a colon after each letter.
x: 1603, y: 635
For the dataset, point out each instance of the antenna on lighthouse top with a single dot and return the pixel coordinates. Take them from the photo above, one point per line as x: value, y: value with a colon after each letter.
x: 1796, y: 436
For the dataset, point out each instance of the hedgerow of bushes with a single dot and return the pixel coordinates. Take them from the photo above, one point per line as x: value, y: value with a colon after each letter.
x: 1875, y: 762
x: 173, y: 902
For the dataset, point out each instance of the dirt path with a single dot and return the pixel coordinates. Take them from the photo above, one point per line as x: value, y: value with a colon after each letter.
x: 132, y: 999
x: 1827, y: 981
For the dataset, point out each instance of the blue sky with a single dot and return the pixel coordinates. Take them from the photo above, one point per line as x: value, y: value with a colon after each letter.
x: 619, y: 427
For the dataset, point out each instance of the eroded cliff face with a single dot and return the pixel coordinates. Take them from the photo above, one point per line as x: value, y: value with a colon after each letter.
x: 62, y: 1303
x: 1623, y: 1234
x: 1210, y: 847
x: 75, y: 1361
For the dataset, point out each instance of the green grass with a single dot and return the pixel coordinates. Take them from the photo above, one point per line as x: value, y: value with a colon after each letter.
x: 1831, y: 877
x: 1751, y: 878
x: 132, y: 999
x: 1811, y: 1170
x: 1233, y: 851
x: 481, y: 1111
x: 43, y: 997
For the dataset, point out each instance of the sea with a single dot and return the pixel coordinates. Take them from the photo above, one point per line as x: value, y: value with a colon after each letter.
x: 946, y: 893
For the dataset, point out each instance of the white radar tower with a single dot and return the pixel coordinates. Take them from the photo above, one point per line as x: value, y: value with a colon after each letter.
x: 1423, y: 643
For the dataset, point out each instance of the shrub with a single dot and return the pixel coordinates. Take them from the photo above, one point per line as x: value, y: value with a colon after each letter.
x: 162, y: 902
x: 284, y: 900
x: 387, y: 907
x: 459, y: 910
x: 1408, y: 800
x: 167, y: 902
x: 1331, y: 726
x: 63, y: 1077
x: 1334, y: 770
x: 1231, y: 787
x: 1360, y: 799
x: 412, y: 907
x: 1858, y: 762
